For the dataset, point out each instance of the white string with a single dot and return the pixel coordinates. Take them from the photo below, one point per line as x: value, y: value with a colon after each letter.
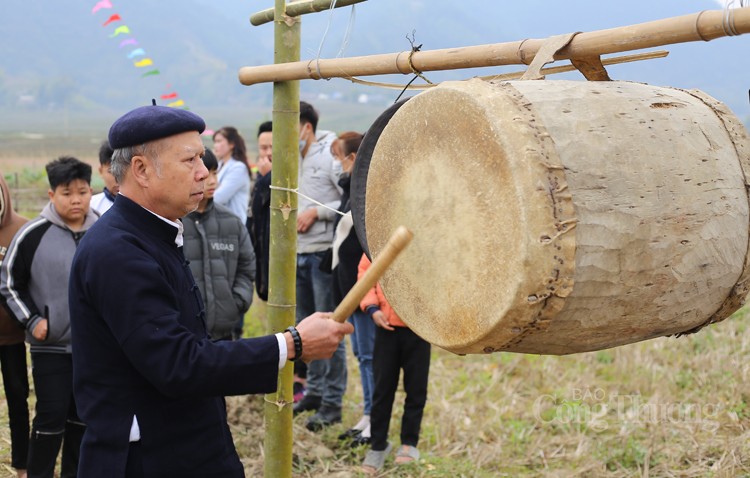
x: 345, y: 42
x: 322, y: 40
x: 296, y: 191
x: 348, y: 34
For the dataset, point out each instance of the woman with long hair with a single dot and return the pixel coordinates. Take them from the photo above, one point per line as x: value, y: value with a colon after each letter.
x: 234, y: 178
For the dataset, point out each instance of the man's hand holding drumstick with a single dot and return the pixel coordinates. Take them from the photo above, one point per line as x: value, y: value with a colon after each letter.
x: 319, y: 336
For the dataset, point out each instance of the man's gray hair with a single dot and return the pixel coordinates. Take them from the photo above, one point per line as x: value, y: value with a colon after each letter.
x: 122, y: 157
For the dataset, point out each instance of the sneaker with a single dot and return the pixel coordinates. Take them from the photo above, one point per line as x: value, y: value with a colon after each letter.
x: 324, y: 417
x: 307, y: 403
x: 350, y: 433
x: 360, y: 440
x: 299, y: 391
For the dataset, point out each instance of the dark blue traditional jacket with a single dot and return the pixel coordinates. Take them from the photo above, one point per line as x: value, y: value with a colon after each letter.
x: 140, y: 349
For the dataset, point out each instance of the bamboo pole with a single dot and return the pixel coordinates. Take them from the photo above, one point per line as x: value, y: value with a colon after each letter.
x: 703, y: 26
x: 283, y: 248
x: 300, y: 8
x: 617, y: 60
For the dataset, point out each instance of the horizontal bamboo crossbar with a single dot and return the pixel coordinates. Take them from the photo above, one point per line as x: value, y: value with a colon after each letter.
x: 703, y: 26
x: 300, y: 8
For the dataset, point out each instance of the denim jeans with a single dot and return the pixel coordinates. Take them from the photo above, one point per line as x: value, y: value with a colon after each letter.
x: 16, y: 383
x: 325, y: 378
x: 363, y: 343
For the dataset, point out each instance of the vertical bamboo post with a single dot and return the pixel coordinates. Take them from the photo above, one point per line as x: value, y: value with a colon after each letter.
x: 283, y: 245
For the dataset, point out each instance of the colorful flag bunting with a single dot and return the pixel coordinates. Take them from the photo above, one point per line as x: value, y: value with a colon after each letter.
x: 101, y: 4
x: 120, y: 30
x: 113, y: 18
x: 136, y: 52
x: 125, y: 30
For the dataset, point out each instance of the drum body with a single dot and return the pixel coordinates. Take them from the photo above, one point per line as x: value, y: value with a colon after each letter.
x: 557, y: 217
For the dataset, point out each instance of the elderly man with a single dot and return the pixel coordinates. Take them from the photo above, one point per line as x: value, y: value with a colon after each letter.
x: 148, y: 381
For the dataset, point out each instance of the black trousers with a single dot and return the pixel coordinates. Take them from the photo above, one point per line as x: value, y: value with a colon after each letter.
x: 56, y: 420
x: 396, y: 350
x: 16, y: 384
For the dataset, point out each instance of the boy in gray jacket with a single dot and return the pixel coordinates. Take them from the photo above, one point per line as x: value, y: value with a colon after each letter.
x: 34, y: 283
x: 221, y: 257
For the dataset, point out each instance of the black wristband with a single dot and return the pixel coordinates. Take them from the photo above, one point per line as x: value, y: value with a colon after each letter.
x: 297, y: 343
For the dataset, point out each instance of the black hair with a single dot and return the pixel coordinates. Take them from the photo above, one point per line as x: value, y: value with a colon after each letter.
x: 65, y: 169
x: 210, y: 161
x: 265, y: 127
x: 105, y: 153
x: 307, y: 114
x: 239, y: 150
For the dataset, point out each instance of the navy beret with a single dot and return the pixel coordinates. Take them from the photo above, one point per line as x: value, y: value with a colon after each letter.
x: 149, y: 123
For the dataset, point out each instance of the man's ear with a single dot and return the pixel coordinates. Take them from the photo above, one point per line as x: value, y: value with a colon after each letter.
x: 50, y: 193
x: 139, y: 168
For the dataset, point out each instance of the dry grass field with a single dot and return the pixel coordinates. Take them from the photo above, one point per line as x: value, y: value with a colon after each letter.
x: 669, y: 407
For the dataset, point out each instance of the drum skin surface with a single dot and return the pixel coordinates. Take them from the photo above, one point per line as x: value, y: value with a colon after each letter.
x: 557, y: 217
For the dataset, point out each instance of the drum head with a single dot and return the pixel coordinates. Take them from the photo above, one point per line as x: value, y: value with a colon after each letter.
x: 464, y: 169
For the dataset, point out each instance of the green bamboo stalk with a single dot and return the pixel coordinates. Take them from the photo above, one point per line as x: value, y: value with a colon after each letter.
x: 300, y: 8
x: 283, y: 246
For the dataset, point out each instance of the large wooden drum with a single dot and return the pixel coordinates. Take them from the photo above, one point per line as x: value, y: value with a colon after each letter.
x: 557, y: 217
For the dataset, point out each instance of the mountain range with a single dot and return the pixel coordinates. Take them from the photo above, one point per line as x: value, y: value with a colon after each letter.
x: 60, y: 54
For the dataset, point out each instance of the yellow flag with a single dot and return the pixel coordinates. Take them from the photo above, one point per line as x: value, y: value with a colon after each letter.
x: 144, y: 62
x: 123, y: 30
x: 175, y: 104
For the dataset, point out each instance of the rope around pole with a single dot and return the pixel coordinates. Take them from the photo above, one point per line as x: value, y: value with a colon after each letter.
x: 296, y: 191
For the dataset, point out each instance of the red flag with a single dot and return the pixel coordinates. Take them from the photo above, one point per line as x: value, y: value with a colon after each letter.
x: 111, y: 19
x: 170, y: 96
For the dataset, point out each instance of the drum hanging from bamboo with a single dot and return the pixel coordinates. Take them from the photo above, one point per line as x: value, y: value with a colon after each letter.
x: 557, y: 217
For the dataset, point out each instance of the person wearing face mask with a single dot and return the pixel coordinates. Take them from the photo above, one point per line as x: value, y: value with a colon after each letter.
x: 318, y: 179
x: 234, y: 176
x: 345, y: 258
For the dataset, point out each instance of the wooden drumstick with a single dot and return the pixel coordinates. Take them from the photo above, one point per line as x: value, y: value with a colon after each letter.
x: 397, y: 243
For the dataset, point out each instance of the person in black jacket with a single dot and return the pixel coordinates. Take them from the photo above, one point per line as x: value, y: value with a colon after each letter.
x: 259, y: 224
x: 221, y: 258
x: 148, y: 381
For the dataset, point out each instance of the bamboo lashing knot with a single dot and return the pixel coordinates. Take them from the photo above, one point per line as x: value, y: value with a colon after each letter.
x: 414, y: 49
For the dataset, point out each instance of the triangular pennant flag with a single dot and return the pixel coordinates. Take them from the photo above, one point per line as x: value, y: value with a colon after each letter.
x: 120, y: 30
x: 150, y: 73
x: 170, y: 96
x: 144, y: 62
x: 175, y: 104
x: 129, y: 41
x: 100, y: 5
x: 136, y: 52
x: 113, y: 18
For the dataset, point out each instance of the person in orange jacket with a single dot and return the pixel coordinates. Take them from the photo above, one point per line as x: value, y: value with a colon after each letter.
x: 396, y: 347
